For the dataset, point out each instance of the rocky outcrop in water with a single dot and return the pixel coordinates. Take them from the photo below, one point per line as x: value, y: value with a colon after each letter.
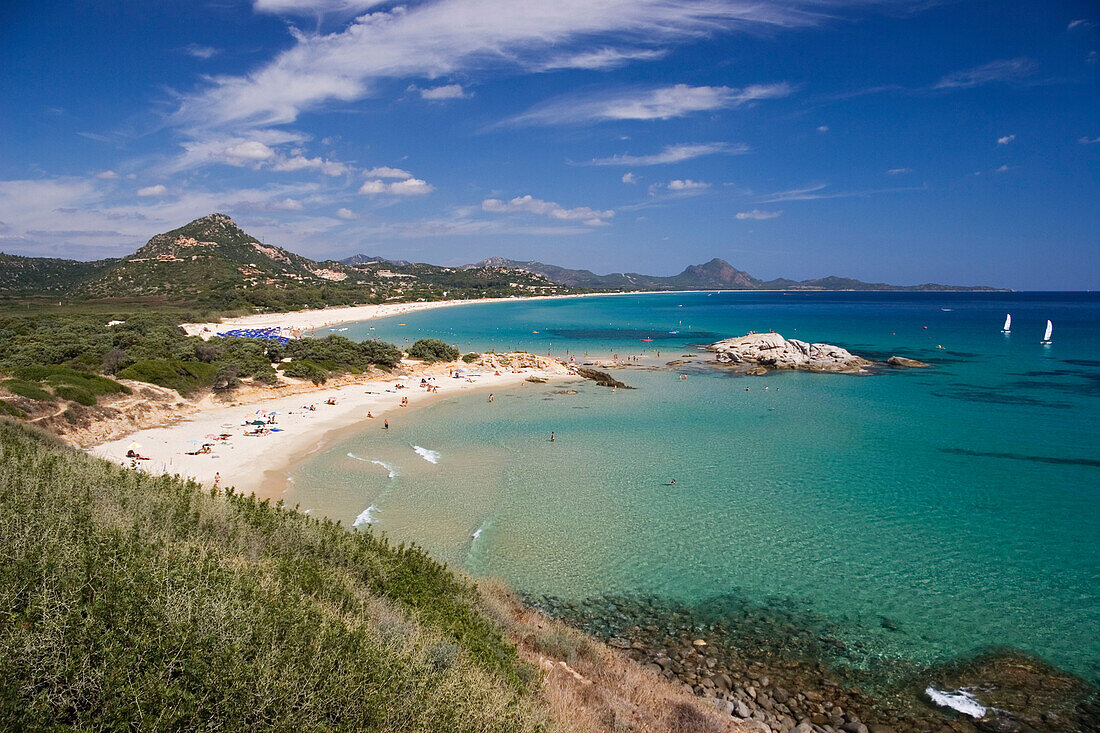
x: 601, y: 378
x: 905, y: 362
x: 772, y: 351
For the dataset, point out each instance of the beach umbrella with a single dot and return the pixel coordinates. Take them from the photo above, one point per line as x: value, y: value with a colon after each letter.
x: 133, y: 446
x: 258, y: 422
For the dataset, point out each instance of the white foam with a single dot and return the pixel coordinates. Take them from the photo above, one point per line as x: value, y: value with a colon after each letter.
x: 958, y: 700
x: 431, y: 456
x: 367, y: 517
x: 477, y: 533
x: 388, y: 466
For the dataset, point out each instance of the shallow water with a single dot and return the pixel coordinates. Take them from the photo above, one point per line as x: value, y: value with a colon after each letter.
x: 925, y: 513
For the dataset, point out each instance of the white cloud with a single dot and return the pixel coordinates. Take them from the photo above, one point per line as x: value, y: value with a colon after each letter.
x: 898, y: 171
x: 1005, y: 140
x: 252, y: 150
x: 106, y: 174
x: 157, y: 190
x: 823, y: 128
x: 287, y: 204
x: 660, y: 103
x: 1086, y: 140
x: 674, y: 154
x: 387, y: 172
x: 1005, y: 169
x: 630, y: 178
x: 994, y: 71
x: 407, y: 187
x: 447, y: 91
x: 531, y: 205
x: 300, y: 162
x: 1079, y: 23
x: 687, y: 185
x: 757, y: 215
x: 200, y: 52
x: 347, y: 214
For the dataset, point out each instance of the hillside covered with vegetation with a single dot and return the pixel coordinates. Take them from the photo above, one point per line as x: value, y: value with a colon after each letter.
x: 70, y: 357
x: 212, y: 263
x: 128, y: 600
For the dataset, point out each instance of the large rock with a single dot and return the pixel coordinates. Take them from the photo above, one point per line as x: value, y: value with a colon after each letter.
x: 771, y: 350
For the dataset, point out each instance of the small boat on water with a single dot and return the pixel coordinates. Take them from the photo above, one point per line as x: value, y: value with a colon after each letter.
x: 647, y: 339
x: 1008, y: 324
x: 1049, y: 331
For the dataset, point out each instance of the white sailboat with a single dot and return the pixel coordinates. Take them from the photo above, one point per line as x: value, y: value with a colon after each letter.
x: 1008, y: 324
x: 1050, y: 330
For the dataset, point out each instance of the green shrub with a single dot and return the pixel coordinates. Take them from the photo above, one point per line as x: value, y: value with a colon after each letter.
x: 432, y: 350
x: 306, y: 369
x: 30, y: 390
x: 76, y: 394
x: 183, y: 376
x: 470, y: 358
x: 6, y: 408
x: 60, y: 375
x: 149, y: 598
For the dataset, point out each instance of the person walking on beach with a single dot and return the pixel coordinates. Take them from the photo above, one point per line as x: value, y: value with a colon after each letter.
x: 217, y: 479
x: 490, y: 398
x: 551, y: 437
x: 386, y: 424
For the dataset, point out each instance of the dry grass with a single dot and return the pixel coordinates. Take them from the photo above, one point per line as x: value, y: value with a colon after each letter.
x: 591, y: 688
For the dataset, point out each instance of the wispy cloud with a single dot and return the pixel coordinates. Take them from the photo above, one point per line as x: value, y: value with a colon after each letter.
x: 440, y: 93
x: 1006, y: 139
x: 1086, y: 140
x: 656, y: 103
x: 757, y: 215
x: 200, y: 52
x: 346, y: 214
x: 818, y: 191
x: 1081, y: 23
x: 898, y: 171
x: 436, y: 39
x: 601, y: 59
x: 1003, y: 70
x: 674, y: 154
x: 531, y: 205
x: 629, y: 178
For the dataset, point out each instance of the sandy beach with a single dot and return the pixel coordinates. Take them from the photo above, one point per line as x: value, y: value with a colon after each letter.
x: 309, y: 320
x: 242, y: 460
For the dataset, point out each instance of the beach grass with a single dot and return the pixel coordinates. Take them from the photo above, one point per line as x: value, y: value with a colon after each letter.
x: 132, y: 600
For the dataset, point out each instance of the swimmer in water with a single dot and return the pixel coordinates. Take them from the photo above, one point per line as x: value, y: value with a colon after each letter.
x: 670, y: 483
x: 551, y: 437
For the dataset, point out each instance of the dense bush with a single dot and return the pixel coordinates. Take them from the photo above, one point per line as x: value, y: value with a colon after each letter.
x: 76, y: 394
x: 6, y: 408
x: 306, y: 369
x: 469, y: 358
x: 151, y: 347
x: 30, y: 390
x: 183, y: 376
x: 131, y: 597
x: 431, y: 350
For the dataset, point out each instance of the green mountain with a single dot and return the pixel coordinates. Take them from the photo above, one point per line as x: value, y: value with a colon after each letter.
x: 211, y: 253
x: 714, y: 275
x: 45, y: 275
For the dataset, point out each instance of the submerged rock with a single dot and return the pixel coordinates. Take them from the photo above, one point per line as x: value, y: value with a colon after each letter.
x: 905, y: 362
x: 771, y: 350
x: 599, y: 377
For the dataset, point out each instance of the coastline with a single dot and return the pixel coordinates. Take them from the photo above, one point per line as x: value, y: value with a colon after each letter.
x: 248, y: 463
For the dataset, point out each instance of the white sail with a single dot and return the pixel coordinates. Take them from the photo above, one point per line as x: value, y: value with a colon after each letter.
x: 1008, y: 323
x: 1050, y: 330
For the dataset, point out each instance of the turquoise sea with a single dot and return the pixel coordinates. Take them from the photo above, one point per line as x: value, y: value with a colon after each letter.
x: 924, y: 514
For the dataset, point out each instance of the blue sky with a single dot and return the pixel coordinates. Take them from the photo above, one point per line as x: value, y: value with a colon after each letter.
x: 890, y: 141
